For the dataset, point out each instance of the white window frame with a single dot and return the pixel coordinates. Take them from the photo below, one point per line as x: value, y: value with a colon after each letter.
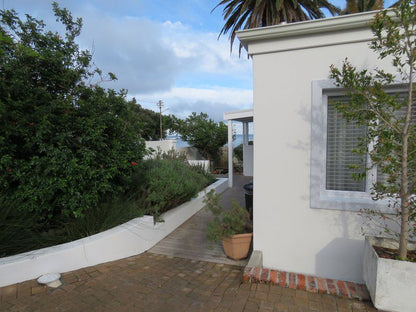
x: 320, y: 197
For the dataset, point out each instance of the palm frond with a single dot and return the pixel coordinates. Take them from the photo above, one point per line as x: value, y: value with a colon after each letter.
x: 246, y: 14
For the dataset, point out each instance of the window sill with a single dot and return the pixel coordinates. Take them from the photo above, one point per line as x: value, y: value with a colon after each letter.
x: 348, y: 203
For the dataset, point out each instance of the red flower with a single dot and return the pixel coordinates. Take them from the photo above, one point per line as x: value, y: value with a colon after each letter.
x: 9, y: 170
x: 31, y: 124
x: 133, y: 163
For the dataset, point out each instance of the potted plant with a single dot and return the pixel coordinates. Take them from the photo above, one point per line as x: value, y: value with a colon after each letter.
x: 232, y: 227
x: 390, y: 143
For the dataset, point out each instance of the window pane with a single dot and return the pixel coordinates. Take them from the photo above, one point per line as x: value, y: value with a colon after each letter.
x: 342, y: 138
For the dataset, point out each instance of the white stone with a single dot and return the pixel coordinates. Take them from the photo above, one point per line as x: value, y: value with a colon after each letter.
x: 50, y: 279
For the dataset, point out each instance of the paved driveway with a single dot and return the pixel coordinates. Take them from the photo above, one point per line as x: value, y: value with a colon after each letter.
x: 152, y: 282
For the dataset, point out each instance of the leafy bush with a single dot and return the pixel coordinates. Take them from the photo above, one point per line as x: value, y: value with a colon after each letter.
x: 154, y: 187
x: 168, y: 183
x: 203, y: 133
x: 226, y: 223
x: 21, y: 231
x: 70, y: 151
x: 238, y: 152
x: 64, y: 145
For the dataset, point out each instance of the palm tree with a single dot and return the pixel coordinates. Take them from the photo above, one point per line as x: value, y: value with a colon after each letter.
x: 245, y: 14
x: 356, y: 6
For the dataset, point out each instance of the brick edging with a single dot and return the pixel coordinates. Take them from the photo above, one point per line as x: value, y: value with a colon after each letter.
x: 305, y: 282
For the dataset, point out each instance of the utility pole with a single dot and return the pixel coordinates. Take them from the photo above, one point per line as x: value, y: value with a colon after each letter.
x: 160, y: 105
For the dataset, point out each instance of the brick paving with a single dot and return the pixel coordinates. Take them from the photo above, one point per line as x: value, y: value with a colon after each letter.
x: 152, y: 282
x: 308, y: 283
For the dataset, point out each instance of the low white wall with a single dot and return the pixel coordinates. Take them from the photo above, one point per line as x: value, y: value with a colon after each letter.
x: 164, y: 146
x: 128, y: 239
x: 203, y: 163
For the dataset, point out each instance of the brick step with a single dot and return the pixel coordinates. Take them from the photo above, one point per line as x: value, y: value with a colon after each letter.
x: 305, y: 282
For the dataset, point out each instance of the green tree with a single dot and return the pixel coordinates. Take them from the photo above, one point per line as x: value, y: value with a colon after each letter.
x: 245, y: 14
x: 150, y: 121
x: 203, y: 133
x: 65, y: 143
x: 389, y: 117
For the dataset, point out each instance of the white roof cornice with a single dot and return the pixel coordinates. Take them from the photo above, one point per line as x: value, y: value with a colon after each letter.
x: 306, y: 28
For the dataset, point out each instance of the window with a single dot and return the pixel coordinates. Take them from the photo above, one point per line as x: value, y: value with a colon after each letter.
x: 342, y: 138
x: 332, y: 142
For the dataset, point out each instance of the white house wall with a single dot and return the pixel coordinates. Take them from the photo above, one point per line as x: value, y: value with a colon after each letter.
x: 248, y: 160
x: 293, y: 236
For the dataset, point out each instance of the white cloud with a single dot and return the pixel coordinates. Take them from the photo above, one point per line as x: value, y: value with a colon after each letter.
x: 187, y: 68
x: 214, y: 101
x: 203, y: 50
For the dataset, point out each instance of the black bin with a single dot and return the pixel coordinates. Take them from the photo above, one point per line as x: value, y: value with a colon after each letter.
x: 248, y: 192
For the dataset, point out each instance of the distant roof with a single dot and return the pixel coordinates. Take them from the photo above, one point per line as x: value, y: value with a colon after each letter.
x: 241, y: 115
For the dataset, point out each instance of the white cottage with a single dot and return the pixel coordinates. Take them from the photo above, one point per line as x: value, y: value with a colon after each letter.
x: 305, y: 207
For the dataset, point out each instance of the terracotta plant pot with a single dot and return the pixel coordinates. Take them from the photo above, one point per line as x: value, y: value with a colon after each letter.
x: 237, y: 246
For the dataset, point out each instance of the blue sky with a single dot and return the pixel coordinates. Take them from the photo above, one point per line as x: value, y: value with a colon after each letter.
x: 160, y: 50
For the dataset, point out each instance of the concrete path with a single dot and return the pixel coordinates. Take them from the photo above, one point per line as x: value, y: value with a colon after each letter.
x: 189, y: 240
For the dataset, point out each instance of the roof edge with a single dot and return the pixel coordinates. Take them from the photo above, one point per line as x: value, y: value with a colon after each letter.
x: 329, y: 24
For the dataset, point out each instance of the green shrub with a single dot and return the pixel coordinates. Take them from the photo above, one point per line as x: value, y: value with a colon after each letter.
x: 21, y: 231
x: 64, y: 145
x: 226, y: 223
x: 155, y: 187
x: 166, y: 184
x: 103, y: 217
x: 238, y: 152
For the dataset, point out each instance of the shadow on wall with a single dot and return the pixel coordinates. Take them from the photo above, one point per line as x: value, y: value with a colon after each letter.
x: 342, y: 259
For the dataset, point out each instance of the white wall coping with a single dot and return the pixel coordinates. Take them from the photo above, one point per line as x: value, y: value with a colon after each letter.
x: 317, y: 26
x: 338, y: 30
x: 131, y: 238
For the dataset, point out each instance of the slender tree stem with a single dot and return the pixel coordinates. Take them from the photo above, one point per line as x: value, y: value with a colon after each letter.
x: 404, y: 188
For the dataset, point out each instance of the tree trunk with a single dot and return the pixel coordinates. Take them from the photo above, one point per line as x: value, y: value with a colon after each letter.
x: 404, y: 187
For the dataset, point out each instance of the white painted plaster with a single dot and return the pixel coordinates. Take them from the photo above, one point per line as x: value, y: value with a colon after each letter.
x: 131, y: 238
x: 248, y: 153
x: 291, y: 235
x: 163, y: 146
x: 391, y: 283
x: 202, y: 163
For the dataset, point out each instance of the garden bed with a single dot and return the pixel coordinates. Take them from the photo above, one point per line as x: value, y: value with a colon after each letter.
x: 131, y: 238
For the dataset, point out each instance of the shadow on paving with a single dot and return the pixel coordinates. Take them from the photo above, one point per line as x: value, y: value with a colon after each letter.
x: 189, y: 240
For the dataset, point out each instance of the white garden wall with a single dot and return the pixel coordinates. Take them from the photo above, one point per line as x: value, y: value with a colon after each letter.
x: 163, y: 146
x: 128, y: 239
x: 286, y: 59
